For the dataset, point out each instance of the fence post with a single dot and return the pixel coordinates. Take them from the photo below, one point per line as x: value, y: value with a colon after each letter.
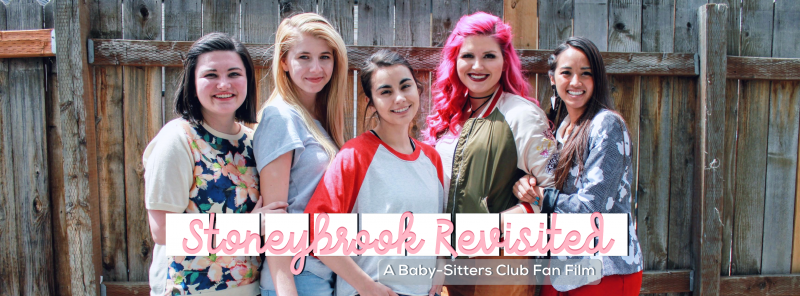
x: 707, y: 212
x: 77, y: 132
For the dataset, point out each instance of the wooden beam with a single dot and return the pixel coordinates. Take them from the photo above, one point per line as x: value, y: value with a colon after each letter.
x: 77, y: 132
x: 118, y: 52
x: 26, y: 44
x: 669, y: 281
x: 707, y: 219
x: 754, y: 68
x: 787, y: 284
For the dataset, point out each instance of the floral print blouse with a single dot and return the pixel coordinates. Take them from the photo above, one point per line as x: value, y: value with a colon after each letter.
x: 225, y: 180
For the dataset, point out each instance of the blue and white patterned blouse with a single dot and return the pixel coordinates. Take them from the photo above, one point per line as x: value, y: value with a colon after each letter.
x: 603, y: 186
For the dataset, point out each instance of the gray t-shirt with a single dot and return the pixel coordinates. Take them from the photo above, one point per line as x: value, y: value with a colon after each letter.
x: 282, y: 130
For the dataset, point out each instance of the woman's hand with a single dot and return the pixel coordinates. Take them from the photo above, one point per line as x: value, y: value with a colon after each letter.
x: 277, y: 207
x: 524, y: 189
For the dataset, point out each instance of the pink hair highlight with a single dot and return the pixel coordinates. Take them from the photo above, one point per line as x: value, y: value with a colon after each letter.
x: 448, y: 90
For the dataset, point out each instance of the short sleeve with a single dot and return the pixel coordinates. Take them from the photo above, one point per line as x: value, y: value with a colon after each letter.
x: 168, y: 169
x: 281, y: 130
x: 536, y: 146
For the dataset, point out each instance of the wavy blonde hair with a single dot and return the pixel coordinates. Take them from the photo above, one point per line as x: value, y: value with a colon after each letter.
x: 330, y: 100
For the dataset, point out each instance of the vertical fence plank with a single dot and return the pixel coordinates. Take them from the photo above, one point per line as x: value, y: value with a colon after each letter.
x: 625, y: 25
x: 657, y: 30
x: 375, y: 22
x: 491, y: 7
x: 729, y: 191
x: 142, y: 120
x: 445, y: 14
x: 260, y: 21
x: 413, y: 28
x: 9, y: 261
x: 340, y: 14
x: 653, y: 189
x: 107, y: 23
x: 522, y: 16
x: 591, y: 21
x: 686, y: 24
x: 750, y: 184
x: 731, y: 128
x: 748, y: 200
x: 290, y: 7
x: 782, y: 151
x: 29, y: 143
x: 180, y: 24
x: 555, y: 22
x: 555, y: 26
x: 707, y: 216
x: 221, y: 16
x: 56, y: 179
x: 682, y: 164
x: 81, y: 208
x: 627, y: 95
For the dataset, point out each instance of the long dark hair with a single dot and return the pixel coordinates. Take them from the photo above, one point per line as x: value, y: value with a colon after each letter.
x: 575, y: 147
x: 381, y: 59
x: 187, y: 105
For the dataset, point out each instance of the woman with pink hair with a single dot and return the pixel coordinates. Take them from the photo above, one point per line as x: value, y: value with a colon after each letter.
x: 487, y: 130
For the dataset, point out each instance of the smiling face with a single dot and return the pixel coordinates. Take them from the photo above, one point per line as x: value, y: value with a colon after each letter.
x: 310, y: 64
x: 395, y: 96
x: 574, y: 81
x: 480, y: 65
x: 221, y: 83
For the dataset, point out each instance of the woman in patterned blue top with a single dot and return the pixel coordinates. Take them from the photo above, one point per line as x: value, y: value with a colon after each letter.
x: 594, y: 170
x: 203, y: 162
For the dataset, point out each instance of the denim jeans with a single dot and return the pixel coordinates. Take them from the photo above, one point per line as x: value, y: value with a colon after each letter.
x: 308, y: 284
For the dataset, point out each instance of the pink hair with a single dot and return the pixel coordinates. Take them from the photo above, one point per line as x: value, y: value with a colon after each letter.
x: 448, y: 90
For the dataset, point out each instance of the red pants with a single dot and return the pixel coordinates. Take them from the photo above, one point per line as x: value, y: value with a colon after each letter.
x: 628, y: 284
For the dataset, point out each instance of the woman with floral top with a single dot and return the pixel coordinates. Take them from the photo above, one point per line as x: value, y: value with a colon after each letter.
x: 301, y: 128
x: 203, y: 162
x: 594, y: 167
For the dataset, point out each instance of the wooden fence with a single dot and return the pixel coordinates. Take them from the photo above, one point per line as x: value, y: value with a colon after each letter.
x: 711, y: 96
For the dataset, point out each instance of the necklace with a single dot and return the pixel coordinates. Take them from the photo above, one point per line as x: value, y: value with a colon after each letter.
x: 480, y: 98
x: 479, y: 107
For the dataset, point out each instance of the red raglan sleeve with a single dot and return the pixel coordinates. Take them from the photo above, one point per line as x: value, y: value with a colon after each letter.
x: 339, y: 187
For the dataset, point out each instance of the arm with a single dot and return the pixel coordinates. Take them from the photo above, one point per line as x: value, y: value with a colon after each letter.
x: 158, y: 226
x: 274, y: 179
x: 606, y: 171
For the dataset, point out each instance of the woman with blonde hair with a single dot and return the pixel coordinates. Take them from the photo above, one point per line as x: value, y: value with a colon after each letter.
x: 300, y: 131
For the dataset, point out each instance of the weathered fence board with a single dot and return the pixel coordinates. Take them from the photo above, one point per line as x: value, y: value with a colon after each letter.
x: 729, y: 190
x: 749, y: 196
x: 29, y: 141
x: 9, y: 260
x: 81, y: 211
x: 221, y: 16
x: 107, y: 21
x: 625, y: 25
x: 653, y: 190
x: 555, y: 22
x: 712, y: 21
x: 523, y: 17
x: 290, y: 7
x: 782, y: 147
x: 56, y: 180
x: 686, y: 34
x: 413, y: 28
x: 374, y: 29
x: 682, y: 165
x: 491, y: 7
x: 168, y: 54
x: 591, y: 21
x: 734, y: 31
x: 445, y: 14
x: 657, y: 31
x: 180, y: 23
x: 142, y: 120
x: 260, y: 20
x: 760, y: 285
